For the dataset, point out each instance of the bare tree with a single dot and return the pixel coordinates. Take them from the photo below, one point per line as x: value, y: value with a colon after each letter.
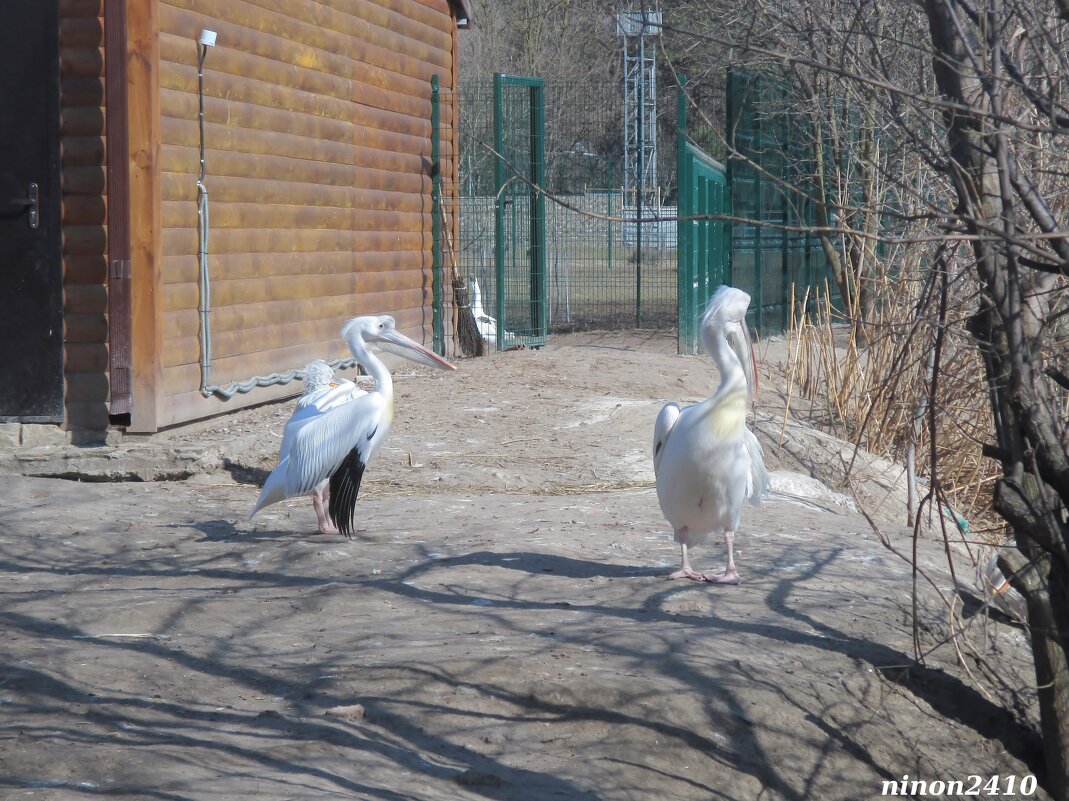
x: 560, y: 40
x: 1002, y: 74
x: 850, y: 155
x: 950, y: 118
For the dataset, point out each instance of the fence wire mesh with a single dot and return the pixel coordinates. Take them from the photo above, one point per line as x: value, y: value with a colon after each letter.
x: 596, y: 277
x: 770, y: 183
x: 703, y: 234
x: 592, y: 272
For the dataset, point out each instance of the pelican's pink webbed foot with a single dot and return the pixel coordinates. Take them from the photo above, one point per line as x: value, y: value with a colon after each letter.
x: 688, y: 573
x: 727, y: 577
x: 685, y: 570
x: 730, y: 574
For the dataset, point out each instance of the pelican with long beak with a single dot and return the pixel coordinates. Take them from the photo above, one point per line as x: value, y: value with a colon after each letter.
x: 707, y: 462
x: 336, y: 442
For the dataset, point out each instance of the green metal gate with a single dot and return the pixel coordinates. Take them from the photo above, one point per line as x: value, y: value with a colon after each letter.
x: 703, y: 241
x: 520, y: 211
x: 596, y: 277
x: 501, y: 208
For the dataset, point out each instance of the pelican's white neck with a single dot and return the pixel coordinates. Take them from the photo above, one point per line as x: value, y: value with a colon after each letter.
x: 732, y: 374
x: 372, y: 365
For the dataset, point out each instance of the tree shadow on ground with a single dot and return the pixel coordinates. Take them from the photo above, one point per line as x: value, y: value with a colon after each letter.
x: 948, y: 695
x: 118, y: 720
x: 403, y: 740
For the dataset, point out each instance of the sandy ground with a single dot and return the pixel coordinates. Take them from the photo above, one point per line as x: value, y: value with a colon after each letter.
x: 502, y: 628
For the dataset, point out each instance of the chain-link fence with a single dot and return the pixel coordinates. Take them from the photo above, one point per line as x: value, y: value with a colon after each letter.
x: 594, y: 266
x: 596, y: 275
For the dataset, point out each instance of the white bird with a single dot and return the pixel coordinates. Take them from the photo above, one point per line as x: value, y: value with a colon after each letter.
x: 487, y: 325
x: 323, y: 391
x: 707, y: 462
x: 336, y: 442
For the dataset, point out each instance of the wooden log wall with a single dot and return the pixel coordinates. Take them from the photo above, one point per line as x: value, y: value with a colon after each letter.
x: 84, y: 208
x: 318, y: 137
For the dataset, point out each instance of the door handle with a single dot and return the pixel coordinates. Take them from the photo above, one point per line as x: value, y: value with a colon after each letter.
x: 29, y: 203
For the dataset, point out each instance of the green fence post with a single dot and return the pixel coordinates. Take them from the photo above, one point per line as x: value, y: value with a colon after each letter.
x: 759, y: 217
x: 640, y: 180
x: 685, y: 311
x: 499, y: 209
x: 539, y: 277
x: 437, y: 306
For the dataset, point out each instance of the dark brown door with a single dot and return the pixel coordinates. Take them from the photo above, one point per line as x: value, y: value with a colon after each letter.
x: 31, y: 293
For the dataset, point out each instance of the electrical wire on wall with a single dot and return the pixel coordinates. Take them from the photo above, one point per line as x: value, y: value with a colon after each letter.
x: 207, y: 389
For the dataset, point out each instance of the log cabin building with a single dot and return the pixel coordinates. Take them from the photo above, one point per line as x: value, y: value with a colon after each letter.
x: 317, y: 160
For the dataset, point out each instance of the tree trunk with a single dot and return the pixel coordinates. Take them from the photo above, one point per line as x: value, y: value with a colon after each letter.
x: 1033, y: 493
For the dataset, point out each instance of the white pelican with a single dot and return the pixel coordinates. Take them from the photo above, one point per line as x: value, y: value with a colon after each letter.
x: 707, y: 462
x: 336, y: 442
x: 322, y: 391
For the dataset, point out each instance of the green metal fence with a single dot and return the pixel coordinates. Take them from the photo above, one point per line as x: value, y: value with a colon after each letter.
x: 501, y: 251
x: 769, y: 180
x: 704, y: 245
x: 476, y: 203
x: 584, y: 269
x: 595, y: 275
x: 519, y: 211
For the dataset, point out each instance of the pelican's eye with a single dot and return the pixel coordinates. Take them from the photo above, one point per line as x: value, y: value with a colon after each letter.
x: 382, y: 325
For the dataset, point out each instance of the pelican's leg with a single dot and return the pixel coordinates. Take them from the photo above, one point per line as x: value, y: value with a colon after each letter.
x: 730, y: 574
x: 319, y: 501
x: 685, y: 570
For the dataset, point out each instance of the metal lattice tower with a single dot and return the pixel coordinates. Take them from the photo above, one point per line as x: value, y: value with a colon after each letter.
x: 640, y: 106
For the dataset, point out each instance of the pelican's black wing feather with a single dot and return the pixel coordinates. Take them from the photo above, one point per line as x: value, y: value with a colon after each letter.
x: 344, y: 487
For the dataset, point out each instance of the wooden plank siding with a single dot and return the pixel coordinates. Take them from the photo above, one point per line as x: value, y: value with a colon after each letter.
x: 318, y: 145
x: 84, y: 214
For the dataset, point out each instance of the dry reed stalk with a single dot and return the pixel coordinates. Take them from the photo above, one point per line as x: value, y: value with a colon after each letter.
x: 793, y: 335
x: 870, y: 394
x: 829, y: 356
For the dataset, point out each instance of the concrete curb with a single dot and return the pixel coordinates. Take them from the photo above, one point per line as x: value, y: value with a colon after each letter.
x: 146, y: 461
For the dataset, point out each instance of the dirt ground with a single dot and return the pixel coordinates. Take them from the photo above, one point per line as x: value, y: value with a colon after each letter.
x: 502, y: 628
